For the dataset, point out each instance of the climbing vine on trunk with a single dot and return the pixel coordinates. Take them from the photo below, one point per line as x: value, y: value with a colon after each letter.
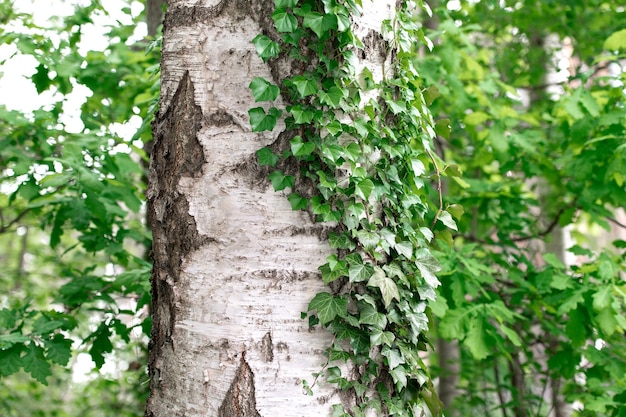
x: 357, y: 153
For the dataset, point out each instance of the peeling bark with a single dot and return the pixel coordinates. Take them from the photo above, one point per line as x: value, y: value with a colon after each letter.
x: 240, y: 400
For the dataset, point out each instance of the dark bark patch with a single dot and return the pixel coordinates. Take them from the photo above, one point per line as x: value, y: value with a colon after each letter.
x: 374, y: 44
x: 220, y: 118
x: 176, y: 153
x: 267, y: 348
x: 191, y: 15
x: 240, y: 399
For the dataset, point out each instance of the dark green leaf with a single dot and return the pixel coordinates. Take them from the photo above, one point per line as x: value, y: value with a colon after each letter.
x: 35, y: 364
x: 267, y: 157
x: 259, y: 121
x: 59, y: 349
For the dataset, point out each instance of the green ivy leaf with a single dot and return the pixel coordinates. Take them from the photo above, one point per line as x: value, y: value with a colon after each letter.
x: 284, y: 21
x: 280, y: 181
x: 340, y: 241
x: 379, y: 337
x: 369, y: 240
x: 304, y: 85
x: 369, y: 315
x: 404, y: 248
x: 285, y: 3
x: 298, y: 202
x: 447, y: 220
x: 266, y: 157
x: 300, y: 148
x: 265, y: 47
x: 332, y: 96
x: 360, y: 272
x: 318, y: 23
x: 394, y: 357
x: 387, y: 286
x: 399, y: 378
x: 301, y: 115
x: 259, y: 121
x: 263, y: 90
x: 364, y: 188
x: 332, y: 271
x: 328, y: 307
x: 428, y: 266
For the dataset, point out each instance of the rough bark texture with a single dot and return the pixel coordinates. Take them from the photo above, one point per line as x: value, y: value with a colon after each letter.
x: 234, y: 266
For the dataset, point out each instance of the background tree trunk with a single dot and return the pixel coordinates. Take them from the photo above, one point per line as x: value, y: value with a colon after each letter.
x: 234, y: 266
x: 154, y: 15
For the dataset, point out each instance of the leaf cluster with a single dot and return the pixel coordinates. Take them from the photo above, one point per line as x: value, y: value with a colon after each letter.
x: 71, y: 199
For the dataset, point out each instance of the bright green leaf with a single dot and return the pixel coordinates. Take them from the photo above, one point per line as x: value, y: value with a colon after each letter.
x: 265, y: 47
x: 617, y: 41
x: 284, y: 21
x: 280, y: 181
x: 328, y: 307
x: 263, y: 90
x: 603, y: 297
x: 476, y: 340
x: 300, y: 148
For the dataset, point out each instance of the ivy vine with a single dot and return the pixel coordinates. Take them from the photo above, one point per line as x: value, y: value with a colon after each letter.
x: 377, y: 179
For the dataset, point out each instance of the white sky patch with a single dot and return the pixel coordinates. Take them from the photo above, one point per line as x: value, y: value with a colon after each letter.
x: 17, y: 92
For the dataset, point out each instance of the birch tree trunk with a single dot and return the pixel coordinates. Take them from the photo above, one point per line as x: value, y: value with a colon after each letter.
x: 234, y: 266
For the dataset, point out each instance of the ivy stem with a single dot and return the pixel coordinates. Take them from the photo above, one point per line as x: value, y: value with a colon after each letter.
x: 438, y: 173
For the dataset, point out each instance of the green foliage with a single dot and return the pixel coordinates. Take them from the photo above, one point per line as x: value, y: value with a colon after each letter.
x: 562, y: 155
x: 524, y: 317
x: 71, y: 211
x: 371, y: 168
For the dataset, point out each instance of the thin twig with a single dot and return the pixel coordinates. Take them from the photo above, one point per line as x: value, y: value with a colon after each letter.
x: 616, y: 222
x: 6, y: 227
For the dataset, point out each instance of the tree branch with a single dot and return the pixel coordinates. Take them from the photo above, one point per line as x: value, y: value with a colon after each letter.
x: 616, y: 222
x: 6, y: 227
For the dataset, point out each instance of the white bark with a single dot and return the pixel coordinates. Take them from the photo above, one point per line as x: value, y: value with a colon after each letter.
x: 234, y: 265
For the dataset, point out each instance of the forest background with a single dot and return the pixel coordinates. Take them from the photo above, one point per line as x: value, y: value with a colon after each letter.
x: 528, y: 99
